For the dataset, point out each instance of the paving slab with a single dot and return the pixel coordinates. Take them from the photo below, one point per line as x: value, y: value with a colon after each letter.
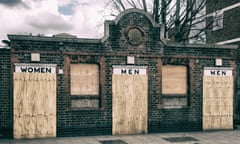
x: 205, y: 137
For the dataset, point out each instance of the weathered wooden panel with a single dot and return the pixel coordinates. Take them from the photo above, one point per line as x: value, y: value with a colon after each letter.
x: 129, y: 104
x: 171, y: 102
x: 85, y: 103
x: 217, y: 102
x: 174, y: 79
x: 84, y: 79
x: 34, y: 105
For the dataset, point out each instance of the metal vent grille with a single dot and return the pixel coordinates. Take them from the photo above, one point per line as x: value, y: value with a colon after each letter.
x: 112, y: 142
x: 180, y: 139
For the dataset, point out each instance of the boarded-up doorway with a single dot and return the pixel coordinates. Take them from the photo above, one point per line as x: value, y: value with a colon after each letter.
x: 130, y: 100
x: 34, y: 105
x: 217, y: 99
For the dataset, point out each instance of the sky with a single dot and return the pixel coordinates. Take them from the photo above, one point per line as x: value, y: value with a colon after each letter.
x: 83, y: 18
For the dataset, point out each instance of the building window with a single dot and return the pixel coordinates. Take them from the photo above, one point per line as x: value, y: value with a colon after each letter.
x: 174, y: 80
x: 174, y: 86
x: 84, y: 85
x: 217, y: 20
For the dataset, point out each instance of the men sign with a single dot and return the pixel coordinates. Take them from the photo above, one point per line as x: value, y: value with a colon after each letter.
x: 130, y: 70
x: 217, y: 71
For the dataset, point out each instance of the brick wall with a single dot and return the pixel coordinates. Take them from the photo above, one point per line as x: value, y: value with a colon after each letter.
x: 214, y: 5
x: 148, y: 51
x: 52, y: 51
x: 5, y: 101
x: 230, y: 28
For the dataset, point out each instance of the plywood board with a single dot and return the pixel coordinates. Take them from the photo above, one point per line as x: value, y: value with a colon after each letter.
x: 174, y: 79
x: 217, y: 102
x: 34, y: 105
x: 84, y: 79
x: 129, y: 104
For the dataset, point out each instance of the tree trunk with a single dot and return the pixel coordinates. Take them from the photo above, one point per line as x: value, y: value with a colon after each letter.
x: 177, y: 34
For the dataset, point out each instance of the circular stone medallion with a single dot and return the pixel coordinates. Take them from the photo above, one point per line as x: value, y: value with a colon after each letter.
x: 135, y: 36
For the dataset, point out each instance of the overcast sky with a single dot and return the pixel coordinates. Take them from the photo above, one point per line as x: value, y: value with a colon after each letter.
x: 83, y: 18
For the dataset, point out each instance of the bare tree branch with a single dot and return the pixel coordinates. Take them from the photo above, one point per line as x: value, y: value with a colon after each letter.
x: 140, y: 4
x: 201, y: 30
x: 177, y: 16
x: 121, y: 4
x: 131, y: 3
x: 156, y: 10
x: 144, y: 5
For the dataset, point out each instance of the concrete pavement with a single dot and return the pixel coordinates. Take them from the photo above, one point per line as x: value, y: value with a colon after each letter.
x: 213, y: 137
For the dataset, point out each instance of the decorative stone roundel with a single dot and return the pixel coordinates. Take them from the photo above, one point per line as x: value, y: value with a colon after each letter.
x: 135, y: 36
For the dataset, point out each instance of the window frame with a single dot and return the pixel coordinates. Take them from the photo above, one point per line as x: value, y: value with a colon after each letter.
x: 98, y: 74
x: 175, y: 62
x: 186, y: 83
x: 218, y: 18
x: 72, y: 58
x: 86, y: 96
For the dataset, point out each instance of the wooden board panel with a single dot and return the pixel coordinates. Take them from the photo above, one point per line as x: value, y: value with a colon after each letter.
x: 34, y: 105
x: 129, y: 104
x: 217, y: 102
x: 84, y: 79
x: 174, y: 79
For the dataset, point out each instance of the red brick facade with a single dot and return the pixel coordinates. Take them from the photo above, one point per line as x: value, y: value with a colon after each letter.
x: 114, y: 49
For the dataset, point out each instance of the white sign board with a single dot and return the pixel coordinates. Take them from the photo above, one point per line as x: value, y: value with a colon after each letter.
x: 130, y: 70
x: 35, y: 68
x: 217, y: 71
